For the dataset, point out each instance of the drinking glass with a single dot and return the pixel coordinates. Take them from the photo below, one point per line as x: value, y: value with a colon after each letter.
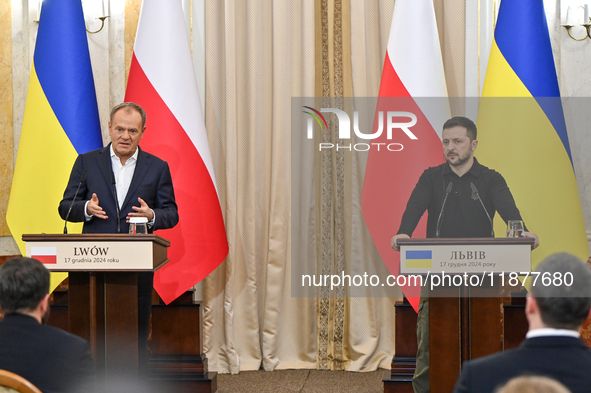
x: 515, y: 228
x: 138, y: 225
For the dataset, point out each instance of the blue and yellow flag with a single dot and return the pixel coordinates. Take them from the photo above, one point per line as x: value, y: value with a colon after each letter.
x: 522, y: 132
x: 419, y: 259
x: 61, y: 120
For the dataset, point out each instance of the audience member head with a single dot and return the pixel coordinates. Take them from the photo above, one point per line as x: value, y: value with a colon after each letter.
x: 460, y: 121
x: 24, y: 285
x: 533, y: 384
x: 562, y: 292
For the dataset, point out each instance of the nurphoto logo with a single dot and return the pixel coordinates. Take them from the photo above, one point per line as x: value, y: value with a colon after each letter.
x: 394, y: 120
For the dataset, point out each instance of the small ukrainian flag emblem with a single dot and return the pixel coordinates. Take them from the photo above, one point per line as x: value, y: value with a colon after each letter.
x: 419, y: 258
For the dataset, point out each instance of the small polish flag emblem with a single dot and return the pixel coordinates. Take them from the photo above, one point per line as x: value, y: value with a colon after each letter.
x: 46, y: 255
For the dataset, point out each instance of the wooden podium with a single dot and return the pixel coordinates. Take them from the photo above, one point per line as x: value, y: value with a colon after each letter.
x: 466, y: 310
x: 103, y: 289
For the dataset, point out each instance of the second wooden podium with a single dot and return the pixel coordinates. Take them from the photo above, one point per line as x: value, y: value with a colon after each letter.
x: 473, y: 276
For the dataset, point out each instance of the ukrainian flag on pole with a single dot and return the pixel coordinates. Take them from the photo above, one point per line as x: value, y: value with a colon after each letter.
x: 525, y: 139
x: 61, y: 120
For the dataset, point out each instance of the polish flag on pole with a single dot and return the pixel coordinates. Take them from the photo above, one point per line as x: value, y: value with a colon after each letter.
x: 413, y: 75
x: 162, y: 81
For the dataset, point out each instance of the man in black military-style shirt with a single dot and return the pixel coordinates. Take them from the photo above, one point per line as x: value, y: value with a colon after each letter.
x: 463, y: 215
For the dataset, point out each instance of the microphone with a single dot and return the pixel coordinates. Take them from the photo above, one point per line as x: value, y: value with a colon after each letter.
x: 116, y: 202
x: 475, y: 191
x: 82, y: 178
x: 447, y: 191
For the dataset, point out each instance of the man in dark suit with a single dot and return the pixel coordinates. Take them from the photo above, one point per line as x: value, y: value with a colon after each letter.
x: 118, y: 182
x: 121, y: 172
x: 51, y: 359
x: 556, y: 307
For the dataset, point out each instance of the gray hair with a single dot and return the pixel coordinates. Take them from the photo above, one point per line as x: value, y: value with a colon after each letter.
x: 129, y: 106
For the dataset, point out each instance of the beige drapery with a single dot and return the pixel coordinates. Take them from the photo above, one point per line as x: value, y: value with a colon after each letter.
x: 259, y: 54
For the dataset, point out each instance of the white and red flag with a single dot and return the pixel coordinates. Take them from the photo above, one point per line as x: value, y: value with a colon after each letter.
x: 46, y: 255
x: 162, y: 81
x: 413, y: 75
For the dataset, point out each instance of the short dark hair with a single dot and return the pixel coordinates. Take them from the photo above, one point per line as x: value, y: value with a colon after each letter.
x: 460, y: 121
x: 130, y: 106
x: 23, y: 284
x: 564, y: 297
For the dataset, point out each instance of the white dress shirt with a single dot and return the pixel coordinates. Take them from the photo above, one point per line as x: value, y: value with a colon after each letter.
x: 123, y: 174
x: 545, y: 332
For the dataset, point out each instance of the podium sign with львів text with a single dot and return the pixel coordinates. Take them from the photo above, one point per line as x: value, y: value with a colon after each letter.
x: 469, y: 255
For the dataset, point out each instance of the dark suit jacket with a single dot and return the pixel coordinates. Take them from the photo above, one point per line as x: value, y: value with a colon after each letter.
x: 51, y: 359
x: 151, y: 181
x: 565, y: 359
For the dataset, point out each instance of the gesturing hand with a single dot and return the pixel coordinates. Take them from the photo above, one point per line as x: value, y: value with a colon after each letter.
x: 93, y: 208
x: 142, y: 211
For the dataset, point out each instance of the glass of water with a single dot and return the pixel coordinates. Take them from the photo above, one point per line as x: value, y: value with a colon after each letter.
x: 138, y: 225
x: 515, y: 228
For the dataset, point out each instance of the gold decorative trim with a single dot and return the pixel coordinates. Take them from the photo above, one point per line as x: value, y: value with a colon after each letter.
x: 333, y: 83
x: 339, y: 301
x: 326, y: 200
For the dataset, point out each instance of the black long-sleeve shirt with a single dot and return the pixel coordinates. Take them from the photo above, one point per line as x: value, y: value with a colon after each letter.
x: 463, y: 215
